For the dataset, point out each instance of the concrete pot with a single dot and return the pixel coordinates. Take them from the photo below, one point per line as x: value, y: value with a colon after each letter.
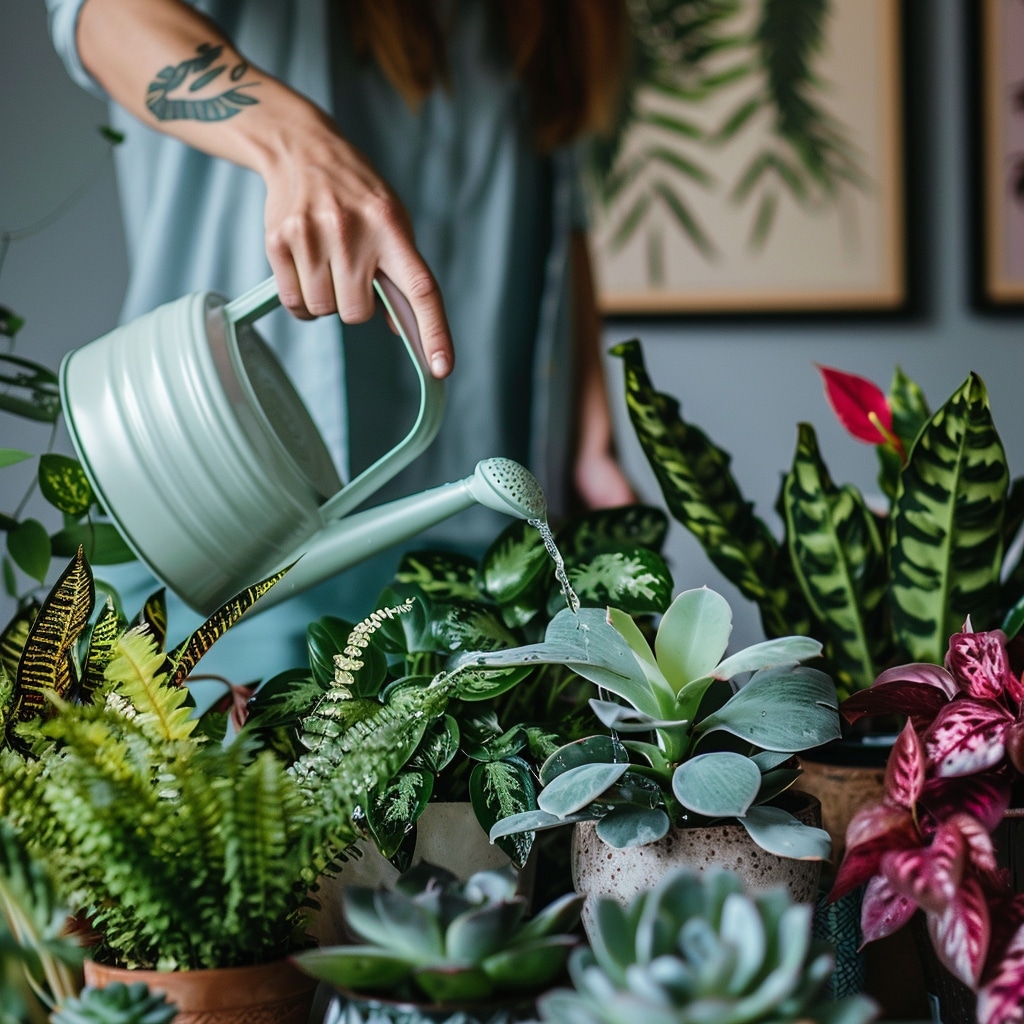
x: 276, y: 993
x: 598, y: 870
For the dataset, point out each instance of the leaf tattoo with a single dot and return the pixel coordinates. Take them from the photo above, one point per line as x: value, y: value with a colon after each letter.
x: 194, y: 74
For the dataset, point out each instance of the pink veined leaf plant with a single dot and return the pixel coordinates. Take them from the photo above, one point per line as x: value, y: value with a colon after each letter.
x: 928, y: 845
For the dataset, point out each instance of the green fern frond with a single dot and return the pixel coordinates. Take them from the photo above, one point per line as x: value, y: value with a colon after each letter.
x: 138, y: 670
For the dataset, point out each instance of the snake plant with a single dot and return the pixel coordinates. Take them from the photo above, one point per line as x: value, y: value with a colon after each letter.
x: 696, y: 948
x: 875, y: 587
x: 431, y: 938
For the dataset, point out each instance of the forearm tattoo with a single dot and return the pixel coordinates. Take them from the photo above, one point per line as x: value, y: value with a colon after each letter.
x: 190, y: 77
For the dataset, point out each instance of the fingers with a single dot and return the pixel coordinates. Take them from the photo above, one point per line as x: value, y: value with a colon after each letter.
x: 326, y: 264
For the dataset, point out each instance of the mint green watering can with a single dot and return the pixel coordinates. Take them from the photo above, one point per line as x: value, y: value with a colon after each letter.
x: 206, y: 459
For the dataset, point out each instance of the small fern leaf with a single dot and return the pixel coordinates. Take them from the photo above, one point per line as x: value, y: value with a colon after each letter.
x: 186, y: 655
x: 138, y: 669
x: 46, y: 666
x: 101, y: 646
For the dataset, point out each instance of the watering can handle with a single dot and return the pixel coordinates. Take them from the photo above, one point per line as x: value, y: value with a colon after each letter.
x: 259, y: 301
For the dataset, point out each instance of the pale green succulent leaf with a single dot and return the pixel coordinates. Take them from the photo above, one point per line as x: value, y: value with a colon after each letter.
x: 718, y: 785
x: 778, y: 832
x: 783, y: 650
x: 589, y: 750
x: 529, y: 966
x: 454, y: 983
x: 353, y: 967
x: 780, y: 709
x: 477, y: 934
x: 625, y: 827
x: 575, y: 789
x: 693, y: 635
x: 533, y: 821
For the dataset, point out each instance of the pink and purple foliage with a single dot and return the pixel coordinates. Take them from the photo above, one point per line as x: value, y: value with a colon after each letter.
x: 928, y: 845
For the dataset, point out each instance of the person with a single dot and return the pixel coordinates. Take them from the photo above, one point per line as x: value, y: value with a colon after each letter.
x: 334, y: 139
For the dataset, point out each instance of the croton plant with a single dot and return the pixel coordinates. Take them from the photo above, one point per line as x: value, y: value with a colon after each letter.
x: 928, y: 845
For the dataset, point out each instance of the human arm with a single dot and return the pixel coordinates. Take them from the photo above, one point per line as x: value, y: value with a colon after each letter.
x: 598, y: 479
x: 331, y: 223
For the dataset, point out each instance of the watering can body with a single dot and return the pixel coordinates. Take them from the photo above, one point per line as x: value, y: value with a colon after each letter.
x: 204, y: 456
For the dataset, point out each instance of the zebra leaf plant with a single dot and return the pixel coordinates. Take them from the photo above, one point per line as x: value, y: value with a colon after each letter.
x: 876, y: 587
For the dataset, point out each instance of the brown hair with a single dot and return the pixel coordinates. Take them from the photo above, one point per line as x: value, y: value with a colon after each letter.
x: 570, y: 54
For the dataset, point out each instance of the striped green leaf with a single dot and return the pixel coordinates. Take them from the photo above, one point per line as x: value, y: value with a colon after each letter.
x: 947, y: 526
x: 840, y: 560
x: 47, y: 665
x: 701, y: 493
x: 105, y: 632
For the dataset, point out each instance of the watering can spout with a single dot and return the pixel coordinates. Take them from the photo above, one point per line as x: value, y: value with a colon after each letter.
x: 499, y: 484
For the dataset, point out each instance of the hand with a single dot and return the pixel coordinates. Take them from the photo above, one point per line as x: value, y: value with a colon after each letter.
x: 600, y: 482
x: 331, y: 223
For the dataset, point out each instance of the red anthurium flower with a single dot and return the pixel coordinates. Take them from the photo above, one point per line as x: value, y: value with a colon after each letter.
x: 981, y: 666
x: 967, y: 737
x: 861, y: 407
x: 960, y: 935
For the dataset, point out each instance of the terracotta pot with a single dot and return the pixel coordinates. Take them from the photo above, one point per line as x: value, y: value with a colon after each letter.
x: 599, y: 870
x: 276, y: 993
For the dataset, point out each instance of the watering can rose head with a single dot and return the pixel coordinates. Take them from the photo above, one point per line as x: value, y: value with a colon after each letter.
x: 693, y: 736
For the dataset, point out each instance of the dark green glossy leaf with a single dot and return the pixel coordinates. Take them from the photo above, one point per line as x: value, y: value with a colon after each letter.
x: 328, y: 637
x: 29, y: 547
x: 499, y: 789
x: 503, y: 745
x: 633, y: 579
x: 10, y: 322
x: 516, y: 565
x: 12, y: 456
x: 440, y: 574
x: 602, y: 529
x: 393, y: 810
x: 946, y: 543
x: 439, y: 745
x: 103, y: 544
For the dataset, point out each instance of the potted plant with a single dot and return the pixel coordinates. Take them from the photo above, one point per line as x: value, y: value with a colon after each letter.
x: 185, y: 857
x: 697, y: 947
x: 939, y: 846
x: 714, y: 743
x: 431, y: 946
x: 477, y: 760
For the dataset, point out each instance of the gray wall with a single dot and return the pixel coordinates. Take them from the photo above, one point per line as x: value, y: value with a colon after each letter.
x: 746, y: 382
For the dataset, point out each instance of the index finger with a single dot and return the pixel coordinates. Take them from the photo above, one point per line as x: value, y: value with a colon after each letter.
x: 423, y: 295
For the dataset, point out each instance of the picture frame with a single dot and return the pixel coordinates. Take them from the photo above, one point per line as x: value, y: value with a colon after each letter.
x: 1001, y: 178
x: 701, y: 202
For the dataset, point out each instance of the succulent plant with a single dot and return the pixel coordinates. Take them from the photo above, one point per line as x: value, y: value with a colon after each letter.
x: 715, y: 735
x: 698, y: 948
x: 117, y: 1003
x: 432, y: 938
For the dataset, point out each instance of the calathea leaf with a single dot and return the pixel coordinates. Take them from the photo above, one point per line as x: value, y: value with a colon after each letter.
x: 440, y: 574
x: 910, y: 412
x: 701, y: 493
x: 840, y: 561
x: 608, y: 529
x: 633, y: 579
x: 947, y: 526
x: 515, y: 568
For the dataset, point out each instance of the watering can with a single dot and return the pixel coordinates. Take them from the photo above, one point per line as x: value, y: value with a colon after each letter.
x: 204, y: 456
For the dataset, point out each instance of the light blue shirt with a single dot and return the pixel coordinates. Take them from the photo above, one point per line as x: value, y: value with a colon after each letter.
x: 491, y: 217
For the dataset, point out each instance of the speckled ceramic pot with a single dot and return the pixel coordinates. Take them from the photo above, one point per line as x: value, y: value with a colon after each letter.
x: 598, y: 870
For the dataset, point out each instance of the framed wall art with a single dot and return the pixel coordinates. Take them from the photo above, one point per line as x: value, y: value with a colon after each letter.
x: 1002, y: 151
x: 758, y: 164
